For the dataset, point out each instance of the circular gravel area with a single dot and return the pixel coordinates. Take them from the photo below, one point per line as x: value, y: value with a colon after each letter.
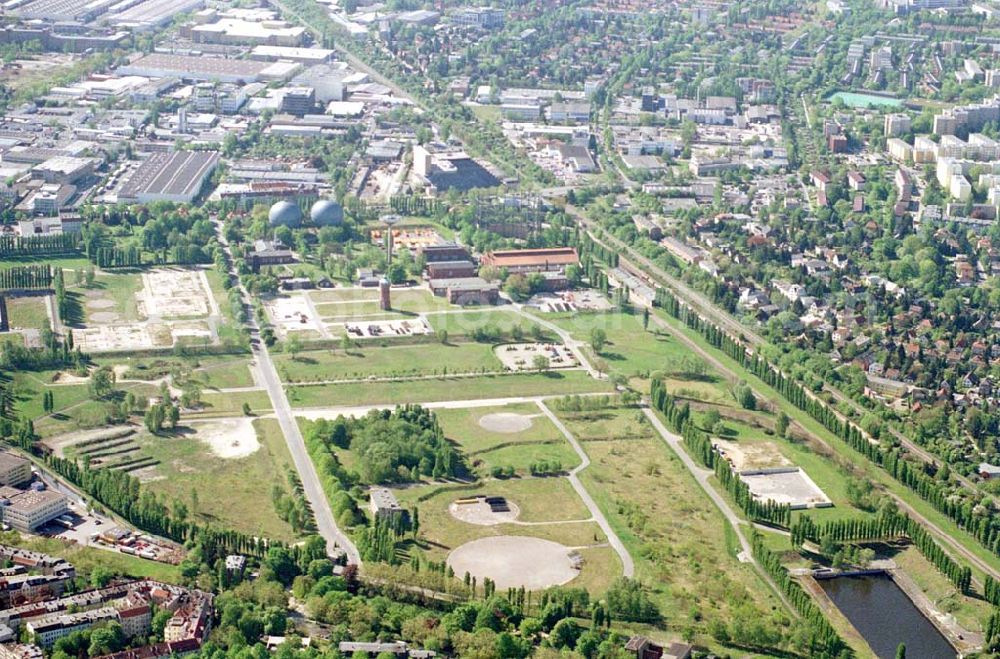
x: 481, y: 514
x: 514, y: 561
x: 505, y: 422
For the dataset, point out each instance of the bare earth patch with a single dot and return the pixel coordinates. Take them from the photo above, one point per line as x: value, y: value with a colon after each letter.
x: 105, y: 317
x: 505, y: 422
x: 515, y: 561
x: 100, y: 303
x: 62, y: 377
x: 148, y: 474
x: 479, y: 512
x: 229, y: 438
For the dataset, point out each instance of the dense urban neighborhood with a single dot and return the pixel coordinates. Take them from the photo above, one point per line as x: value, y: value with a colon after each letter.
x: 592, y: 329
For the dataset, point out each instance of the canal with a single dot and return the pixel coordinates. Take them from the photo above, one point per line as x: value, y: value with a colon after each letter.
x: 886, y: 617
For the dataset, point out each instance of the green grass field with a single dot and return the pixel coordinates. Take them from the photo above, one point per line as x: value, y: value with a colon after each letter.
x: 27, y: 313
x: 65, y: 262
x: 343, y: 295
x: 487, y: 113
x: 338, y: 303
x: 634, y: 352
x: 73, y: 409
x: 231, y: 492
x: 606, y: 424
x: 438, y: 389
x: 231, y: 404
x: 389, y: 361
x: 485, y: 449
x: 348, y: 310
x: 461, y: 323
x: 209, y: 371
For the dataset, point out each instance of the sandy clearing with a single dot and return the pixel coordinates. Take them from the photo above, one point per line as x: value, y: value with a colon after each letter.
x: 104, y: 317
x: 515, y: 561
x: 505, y: 422
x: 479, y: 513
x: 228, y: 438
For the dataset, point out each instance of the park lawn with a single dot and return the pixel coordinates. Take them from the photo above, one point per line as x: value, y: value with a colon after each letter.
x: 709, y: 392
x: 68, y: 263
x: 634, y: 352
x: 606, y: 424
x: 215, y: 284
x: 347, y: 310
x: 485, y: 449
x: 675, y: 534
x: 210, y: 371
x: 223, y: 373
x: 446, y: 388
x: 86, y: 559
x: 231, y: 404
x: 418, y: 300
x: 389, y: 361
x: 120, y: 288
x: 522, y: 456
x: 601, y: 567
x: 74, y: 409
x: 461, y: 323
x: 487, y: 113
x: 343, y: 295
x: 232, y: 493
x: 862, y: 468
x: 27, y: 313
x: 461, y: 425
x: 539, y: 499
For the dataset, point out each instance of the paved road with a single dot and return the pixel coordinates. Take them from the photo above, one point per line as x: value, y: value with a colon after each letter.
x: 628, y: 566
x: 267, y: 376
x: 702, y: 475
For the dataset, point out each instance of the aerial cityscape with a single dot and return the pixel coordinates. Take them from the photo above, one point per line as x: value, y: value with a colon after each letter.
x: 581, y: 329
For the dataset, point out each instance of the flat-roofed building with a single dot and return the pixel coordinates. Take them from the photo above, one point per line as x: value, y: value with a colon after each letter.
x: 484, y: 17
x: 65, y: 169
x: 382, y: 503
x: 532, y: 260
x: 27, y: 510
x: 236, y: 31
x: 267, y: 53
x: 218, y: 69
x: 177, y: 177
x: 14, y: 470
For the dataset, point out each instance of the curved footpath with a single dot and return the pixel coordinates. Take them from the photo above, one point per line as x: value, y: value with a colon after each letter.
x: 628, y: 566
